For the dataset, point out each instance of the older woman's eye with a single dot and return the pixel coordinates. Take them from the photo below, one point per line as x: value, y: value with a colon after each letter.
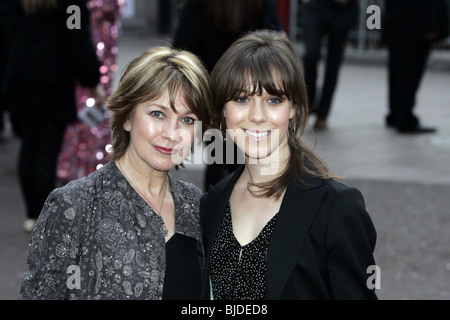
x: 188, y: 120
x: 157, y: 114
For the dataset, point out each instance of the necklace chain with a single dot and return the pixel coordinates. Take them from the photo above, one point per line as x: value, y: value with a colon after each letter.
x: 141, y: 194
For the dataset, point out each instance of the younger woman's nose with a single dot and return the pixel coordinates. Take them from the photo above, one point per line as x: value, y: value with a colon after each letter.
x: 257, y: 112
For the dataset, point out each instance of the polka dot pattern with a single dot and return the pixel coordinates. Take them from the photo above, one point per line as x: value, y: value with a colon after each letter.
x: 239, y: 272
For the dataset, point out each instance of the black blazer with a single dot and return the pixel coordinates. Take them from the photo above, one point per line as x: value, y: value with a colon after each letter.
x: 321, y: 246
x: 47, y: 51
x: 407, y: 21
x: 332, y: 13
x: 46, y: 60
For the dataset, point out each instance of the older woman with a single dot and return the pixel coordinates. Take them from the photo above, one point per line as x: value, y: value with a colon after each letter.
x: 130, y: 230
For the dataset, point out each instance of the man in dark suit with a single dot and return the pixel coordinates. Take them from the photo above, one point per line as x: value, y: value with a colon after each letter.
x: 7, y: 27
x: 46, y: 60
x: 332, y: 19
x: 410, y: 29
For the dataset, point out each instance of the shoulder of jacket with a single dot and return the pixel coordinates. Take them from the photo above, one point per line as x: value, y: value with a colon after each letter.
x: 185, y: 189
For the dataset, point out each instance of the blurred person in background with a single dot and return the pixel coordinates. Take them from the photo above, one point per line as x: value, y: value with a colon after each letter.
x: 410, y: 30
x: 84, y: 145
x: 7, y: 26
x: 131, y: 228
x: 207, y: 28
x: 47, y: 59
x: 330, y: 20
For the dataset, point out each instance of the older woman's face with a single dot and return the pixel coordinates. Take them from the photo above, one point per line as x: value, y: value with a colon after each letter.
x: 160, y: 137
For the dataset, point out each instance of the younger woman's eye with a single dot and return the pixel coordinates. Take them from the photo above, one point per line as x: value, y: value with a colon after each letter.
x: 241, y: 99
x: 275, y: 100
x: 157, y: 114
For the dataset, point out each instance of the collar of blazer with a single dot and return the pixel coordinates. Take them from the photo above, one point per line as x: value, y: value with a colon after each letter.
x: 297, y: 210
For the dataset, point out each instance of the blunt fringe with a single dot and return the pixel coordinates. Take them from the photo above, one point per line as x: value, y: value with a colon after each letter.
x: 266, y: 59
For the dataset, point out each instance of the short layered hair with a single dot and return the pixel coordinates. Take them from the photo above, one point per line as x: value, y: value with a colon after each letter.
x: 147, y: 78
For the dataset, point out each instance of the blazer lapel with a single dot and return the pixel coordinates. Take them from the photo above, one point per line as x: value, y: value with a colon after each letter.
x: 297, y: 210
x: 215, y: 207
x: 212, y: 212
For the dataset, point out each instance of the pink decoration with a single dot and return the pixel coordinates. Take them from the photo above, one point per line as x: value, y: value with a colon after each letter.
x: 84, y: 148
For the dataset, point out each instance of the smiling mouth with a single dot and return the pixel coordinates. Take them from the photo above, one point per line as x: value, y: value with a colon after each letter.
x: 166, y: 151
x: 258, y: 133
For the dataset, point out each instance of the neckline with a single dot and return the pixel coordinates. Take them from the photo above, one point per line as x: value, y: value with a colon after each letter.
x: 136, y: 193
x: 256, y: 239
x: 144, y: 203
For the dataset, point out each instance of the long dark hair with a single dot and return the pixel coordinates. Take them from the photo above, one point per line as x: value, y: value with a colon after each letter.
x: 230, y: 16
x: 269, y: 59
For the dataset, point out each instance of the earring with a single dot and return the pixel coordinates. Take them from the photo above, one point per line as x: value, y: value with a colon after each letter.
x: 127, y: 128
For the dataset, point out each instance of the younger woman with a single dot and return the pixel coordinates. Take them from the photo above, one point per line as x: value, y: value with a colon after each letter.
x: 281, y: 226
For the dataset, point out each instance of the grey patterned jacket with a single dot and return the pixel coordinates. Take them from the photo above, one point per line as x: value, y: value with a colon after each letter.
x: 96, y: 238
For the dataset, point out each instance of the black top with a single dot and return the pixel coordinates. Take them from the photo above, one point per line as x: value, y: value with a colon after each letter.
x: 183, y: 274
x: 239, y: 272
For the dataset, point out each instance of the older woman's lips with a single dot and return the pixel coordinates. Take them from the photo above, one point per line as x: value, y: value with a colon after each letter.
x: 166, y: 151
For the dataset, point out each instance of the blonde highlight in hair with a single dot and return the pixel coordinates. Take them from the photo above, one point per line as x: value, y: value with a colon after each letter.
x: 147, y: 78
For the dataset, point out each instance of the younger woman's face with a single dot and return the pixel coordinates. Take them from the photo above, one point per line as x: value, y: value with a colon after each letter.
x: 259, y: 123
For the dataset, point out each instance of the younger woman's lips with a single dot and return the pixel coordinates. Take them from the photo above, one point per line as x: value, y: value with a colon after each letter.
x: 258, y: 135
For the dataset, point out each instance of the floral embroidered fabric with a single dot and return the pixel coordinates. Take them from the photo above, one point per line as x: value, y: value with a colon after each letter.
x: 99, y: 226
